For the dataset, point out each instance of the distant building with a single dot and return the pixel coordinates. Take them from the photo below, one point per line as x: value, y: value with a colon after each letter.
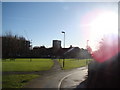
x: 56, y: 51
x: 56, y: 44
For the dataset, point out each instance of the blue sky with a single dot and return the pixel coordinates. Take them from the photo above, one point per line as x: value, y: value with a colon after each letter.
x: 43, y: 22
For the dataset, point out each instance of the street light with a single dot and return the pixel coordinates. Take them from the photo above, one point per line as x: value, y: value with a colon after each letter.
x: 87, y: 44
x: 64, y: 47
x: 64, y: 38
x: 87, y: 51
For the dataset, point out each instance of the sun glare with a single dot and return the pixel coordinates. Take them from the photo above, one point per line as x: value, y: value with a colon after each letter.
x: 105, y: 23
x: 103, y: 33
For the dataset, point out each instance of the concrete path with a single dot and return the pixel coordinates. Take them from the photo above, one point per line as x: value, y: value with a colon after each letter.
x: 57, y: 78
x: 73, y: 80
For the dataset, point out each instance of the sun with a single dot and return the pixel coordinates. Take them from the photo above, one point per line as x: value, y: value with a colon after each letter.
x: 103, y: 24
x: 97, y: 24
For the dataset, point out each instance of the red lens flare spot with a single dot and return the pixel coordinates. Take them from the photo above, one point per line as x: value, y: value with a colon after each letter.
x: 108, y: 47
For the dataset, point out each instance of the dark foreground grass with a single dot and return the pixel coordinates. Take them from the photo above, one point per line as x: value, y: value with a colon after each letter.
x: 27, y: 65
x: 73, y: 63
x: 17, y: 81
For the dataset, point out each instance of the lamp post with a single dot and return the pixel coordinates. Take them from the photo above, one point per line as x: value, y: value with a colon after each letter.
x: 64, y: 38
x: 87, y: 50
x: 64, y: 47
x: 87, y: 44
x: 30, y: 50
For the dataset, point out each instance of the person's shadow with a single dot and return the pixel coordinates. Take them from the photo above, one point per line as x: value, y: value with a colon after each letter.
x: 82, y: 85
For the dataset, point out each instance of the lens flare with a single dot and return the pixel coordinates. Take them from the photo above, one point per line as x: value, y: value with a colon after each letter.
x: 101, y: 28
x: 108, y: 47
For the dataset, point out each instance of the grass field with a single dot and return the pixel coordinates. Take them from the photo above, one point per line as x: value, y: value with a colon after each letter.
x: 27, y: 65
x: 73, y: 63
x: 17, y: 81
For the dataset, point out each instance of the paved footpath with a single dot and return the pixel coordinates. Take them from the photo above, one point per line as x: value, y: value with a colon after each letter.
x: 73, y: 80
x: 57, y: 78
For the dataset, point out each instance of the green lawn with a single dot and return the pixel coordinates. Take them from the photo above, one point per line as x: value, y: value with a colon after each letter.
x: 73, y: 63
x: 17, y: 81
x: 27, y: 65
